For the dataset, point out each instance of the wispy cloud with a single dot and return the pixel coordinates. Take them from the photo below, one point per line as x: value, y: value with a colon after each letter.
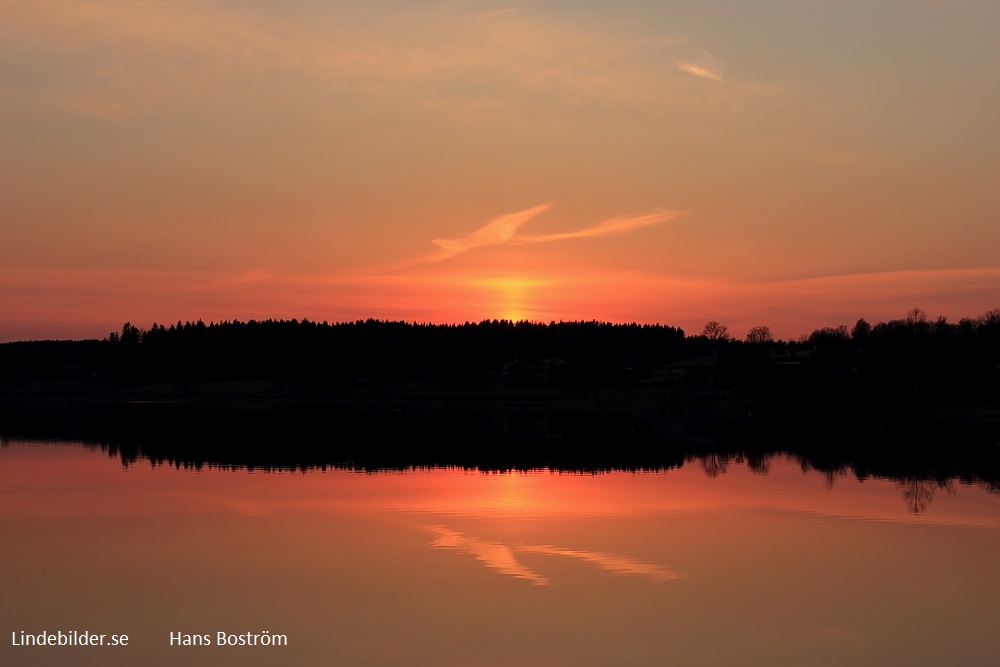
x: 704, y: 66
x: 153, y: 58
x: 504, y: 230
x: 698, y: 71
x: 497, y: 232
x: 610, y: 227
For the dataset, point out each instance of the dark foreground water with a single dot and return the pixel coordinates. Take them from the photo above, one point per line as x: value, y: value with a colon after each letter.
x: 712, y: 563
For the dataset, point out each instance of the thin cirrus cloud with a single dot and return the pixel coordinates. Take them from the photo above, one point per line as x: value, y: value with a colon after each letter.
x: 611, y: 227
x: 699, y: 71
x: 504, y: 230
x: 704, y: 66
x: 497, y: 232
x: 111, y: 54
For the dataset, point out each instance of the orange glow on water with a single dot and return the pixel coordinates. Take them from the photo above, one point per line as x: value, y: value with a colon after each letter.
x: 433, y: 564
x: 69, y: 472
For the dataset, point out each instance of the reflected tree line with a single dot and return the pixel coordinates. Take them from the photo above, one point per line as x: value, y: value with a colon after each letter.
x: 925, y: 459
x: 917, y: 492
x: 909, y: 399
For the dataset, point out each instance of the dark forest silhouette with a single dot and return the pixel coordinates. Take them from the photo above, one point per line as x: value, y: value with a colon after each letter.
x: 910, y: 398
x: 910, y: 362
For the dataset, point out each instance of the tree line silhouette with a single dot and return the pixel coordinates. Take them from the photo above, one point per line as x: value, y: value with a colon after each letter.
x: 911, y: 361
x: 499, y: 394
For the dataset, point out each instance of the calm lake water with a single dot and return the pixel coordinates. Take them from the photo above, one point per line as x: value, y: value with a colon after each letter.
x: 709, y: 564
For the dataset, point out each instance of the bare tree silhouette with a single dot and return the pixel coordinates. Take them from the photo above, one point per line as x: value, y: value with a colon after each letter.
x: 715, y: 331
x: 761, y: 334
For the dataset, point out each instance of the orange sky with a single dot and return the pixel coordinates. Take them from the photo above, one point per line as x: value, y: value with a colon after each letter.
x: 788, y: 165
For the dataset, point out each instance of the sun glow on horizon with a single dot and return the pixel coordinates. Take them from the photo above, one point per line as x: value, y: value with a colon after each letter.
x: 514, y: 296
x: 445, y: 164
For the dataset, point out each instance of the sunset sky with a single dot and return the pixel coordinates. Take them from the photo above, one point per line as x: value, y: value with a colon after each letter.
x: 783, y: 163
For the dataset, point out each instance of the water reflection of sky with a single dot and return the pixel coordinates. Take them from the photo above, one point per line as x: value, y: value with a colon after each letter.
x: 449, y: 567
x: 53, y: 478
x: 503, y: 557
